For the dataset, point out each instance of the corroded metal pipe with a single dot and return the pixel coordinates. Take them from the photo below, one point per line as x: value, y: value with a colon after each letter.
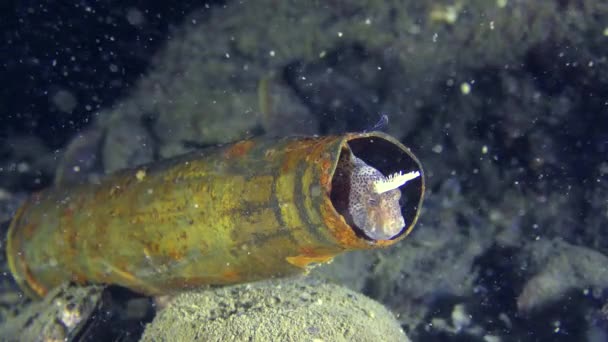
x: 241, y: 212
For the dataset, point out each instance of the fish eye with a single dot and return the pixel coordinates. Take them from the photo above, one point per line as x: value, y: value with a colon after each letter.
x: 372, y: 201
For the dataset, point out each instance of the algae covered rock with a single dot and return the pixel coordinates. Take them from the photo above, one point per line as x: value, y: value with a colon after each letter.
x: 287, y: 310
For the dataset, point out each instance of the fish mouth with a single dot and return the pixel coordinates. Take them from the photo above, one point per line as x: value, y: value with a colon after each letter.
x: 387, y: 231
x: 383, y: 233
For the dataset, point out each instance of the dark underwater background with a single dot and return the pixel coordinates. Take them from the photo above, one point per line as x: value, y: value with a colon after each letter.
x: 504, y: 102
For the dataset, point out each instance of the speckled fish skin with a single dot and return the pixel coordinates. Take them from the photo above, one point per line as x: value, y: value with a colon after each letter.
x: 378, y: 215
x: 247, y: 211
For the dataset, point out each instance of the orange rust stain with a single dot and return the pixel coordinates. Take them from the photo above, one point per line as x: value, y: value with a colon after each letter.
x: 325, y: 176
x: 339, y: 228
x: 302, y: 261
x: 326, y: 181
x: 175, y: 254
x: 40, y: 289
x: 289, y: 163
x: 68, y: 213
x: 294, y: 152
x: 29, y: 230
x: 117, y: 273
x: 385, y: 243
x: 79, y: 278
x: 308, y: 255
x: 231, y: 276
x: 317, y: 149
x: 239, y: 149
x: 325, y: 164
x: 308, y: 251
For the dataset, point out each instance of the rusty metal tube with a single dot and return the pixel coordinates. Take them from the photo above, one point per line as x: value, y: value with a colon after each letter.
x: 242, y: 212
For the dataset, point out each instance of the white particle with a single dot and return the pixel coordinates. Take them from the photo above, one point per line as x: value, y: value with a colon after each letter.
x: 465, y: 88
x: 435, y: 36
x: 557, y: 325
x: 339, y: 34
x: 271, y: 53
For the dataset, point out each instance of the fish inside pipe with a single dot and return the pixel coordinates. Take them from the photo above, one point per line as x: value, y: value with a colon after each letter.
x: 369, y: 199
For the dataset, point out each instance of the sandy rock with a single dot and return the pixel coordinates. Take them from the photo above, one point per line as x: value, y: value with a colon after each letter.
x: 288, y: 310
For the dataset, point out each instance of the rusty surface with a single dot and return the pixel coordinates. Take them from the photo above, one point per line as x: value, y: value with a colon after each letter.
x: 242, y: 212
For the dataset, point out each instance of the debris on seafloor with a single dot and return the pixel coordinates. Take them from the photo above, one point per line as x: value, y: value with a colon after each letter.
x: 59, y: 316
x: 81, y: 313
x: 247, y: 211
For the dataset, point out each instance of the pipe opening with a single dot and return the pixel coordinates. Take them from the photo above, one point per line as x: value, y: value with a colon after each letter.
x: 377, y: 187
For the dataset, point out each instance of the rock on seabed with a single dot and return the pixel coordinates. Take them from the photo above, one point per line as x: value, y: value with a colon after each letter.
x: 281, y: 310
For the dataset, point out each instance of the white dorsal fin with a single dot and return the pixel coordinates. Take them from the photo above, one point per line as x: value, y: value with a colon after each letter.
x: 394, y: 181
